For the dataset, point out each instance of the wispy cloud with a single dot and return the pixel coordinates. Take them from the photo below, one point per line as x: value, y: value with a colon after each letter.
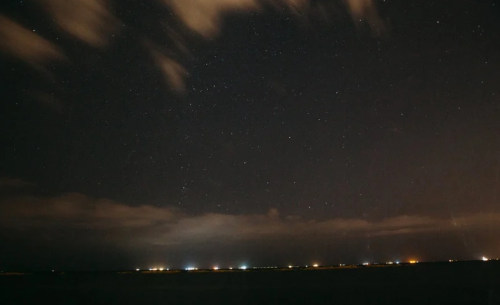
x: 174, y: 73
x: 90, y: 21
x: 7, y: 183
x: 94, y: 23
x: 205, y: 17
x: 365, y: 10
x: 26, y: 45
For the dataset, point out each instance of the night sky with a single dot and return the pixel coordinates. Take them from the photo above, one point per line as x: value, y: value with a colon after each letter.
x: 262, y: 132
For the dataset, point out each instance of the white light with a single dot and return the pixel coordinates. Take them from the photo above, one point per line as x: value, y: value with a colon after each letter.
x: 243, y: 267
x: 290, y: 267
x: 230, y: 268
x: 366, y: 264
x: 485, y: 259
x: 136, y: 269
x: 389, y: 263
x: 315, y: 265
x: 397, y: 262
x: 216, y: 268
x: 191, y: 268
x: 161, y: 269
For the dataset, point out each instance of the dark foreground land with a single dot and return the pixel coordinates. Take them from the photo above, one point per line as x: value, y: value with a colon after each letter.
x: 444, y: 283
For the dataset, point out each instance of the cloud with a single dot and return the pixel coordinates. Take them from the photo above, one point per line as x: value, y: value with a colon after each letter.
x: 205, y: 17
x: 88, y: 20
x: 26, y: 45
x: 174, y: 73
x: 7, y: 183
x: 93, y: 22
x: 151, y: 225
x: 366, y: 10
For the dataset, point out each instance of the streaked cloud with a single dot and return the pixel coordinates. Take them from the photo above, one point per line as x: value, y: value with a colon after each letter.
x: 174, y: 73
x: 26, y: 45
x: 365, y: 10
x: 205, y: 17
x: 94, y: 22
x: 91, y: 21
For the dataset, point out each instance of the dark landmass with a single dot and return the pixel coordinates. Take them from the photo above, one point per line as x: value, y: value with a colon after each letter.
x: 472, y: 282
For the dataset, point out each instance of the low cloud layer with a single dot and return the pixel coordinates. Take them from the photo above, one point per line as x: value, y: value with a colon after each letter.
x: 77, y: 231
x: 152, y: 225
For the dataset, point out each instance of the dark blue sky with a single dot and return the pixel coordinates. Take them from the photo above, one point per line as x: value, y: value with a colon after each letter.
x: 253, y: 125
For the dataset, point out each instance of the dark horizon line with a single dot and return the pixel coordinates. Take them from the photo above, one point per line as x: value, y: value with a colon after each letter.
x: 248, y: 268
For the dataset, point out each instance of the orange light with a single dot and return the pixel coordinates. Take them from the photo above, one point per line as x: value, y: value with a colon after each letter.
x: 413, y: 262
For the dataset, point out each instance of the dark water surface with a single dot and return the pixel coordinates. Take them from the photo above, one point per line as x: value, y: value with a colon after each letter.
x: 449, y: 283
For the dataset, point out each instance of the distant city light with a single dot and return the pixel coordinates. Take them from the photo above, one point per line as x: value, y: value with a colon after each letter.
x: 397, y: 262
x: 136, y: 269
x: 230, y: 268
x: 366, y: 264
x: 191, y: 268
x: 413, y: 262
x: 389, y: 263
x: 161, y: 269
x: 485, y: 259
x: 290, y: 267
x: 216, y: 268
x: 315, y: 265
x: 243, y: 267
